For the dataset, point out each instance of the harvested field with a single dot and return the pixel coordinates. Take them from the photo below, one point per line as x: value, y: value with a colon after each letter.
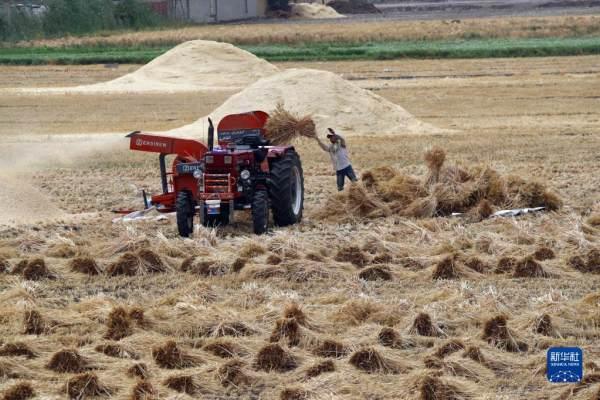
x: 388, y: 307
x: 324, y: 31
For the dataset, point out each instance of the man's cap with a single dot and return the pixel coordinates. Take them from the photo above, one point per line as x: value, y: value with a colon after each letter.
x: 331, y: 132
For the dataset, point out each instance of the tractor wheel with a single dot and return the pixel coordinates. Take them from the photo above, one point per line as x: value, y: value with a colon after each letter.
x: 185, y: 209
x: 260, y: 212
x: 286, y: 189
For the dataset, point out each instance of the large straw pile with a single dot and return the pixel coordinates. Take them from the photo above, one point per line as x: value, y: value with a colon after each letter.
x: 476, y: 191
x: 329, y: 99
x: 191, y: 66
x: 283, y: 126
x: 313, y: 11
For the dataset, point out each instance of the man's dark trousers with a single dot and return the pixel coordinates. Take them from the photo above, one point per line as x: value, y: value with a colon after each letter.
x: 342, y: 174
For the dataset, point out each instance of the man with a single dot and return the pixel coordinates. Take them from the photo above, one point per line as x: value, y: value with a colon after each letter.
x: 339, y: 157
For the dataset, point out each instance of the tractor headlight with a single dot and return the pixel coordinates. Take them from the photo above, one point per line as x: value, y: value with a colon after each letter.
x: 245, y: 174
x: 198, y: 174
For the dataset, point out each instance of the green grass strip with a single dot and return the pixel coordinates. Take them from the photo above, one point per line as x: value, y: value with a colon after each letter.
x: 472, y: 48
x: 78, y: 55
x: 488, y: 48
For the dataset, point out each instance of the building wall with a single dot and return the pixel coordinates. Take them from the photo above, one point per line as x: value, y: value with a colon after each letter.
x: 261, y: 7
x: 202, y: 10
x: 211, y: 10
x: 226, y: 10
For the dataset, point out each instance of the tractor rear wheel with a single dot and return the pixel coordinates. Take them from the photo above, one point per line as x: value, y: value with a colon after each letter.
x: 286, y: 189
x: 185, y: 210
x: 260, y: 212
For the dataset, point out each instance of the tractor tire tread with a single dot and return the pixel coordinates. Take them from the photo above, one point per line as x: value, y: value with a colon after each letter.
x: 260, y: 212
x: 184, y: 206
x: 279, y: 189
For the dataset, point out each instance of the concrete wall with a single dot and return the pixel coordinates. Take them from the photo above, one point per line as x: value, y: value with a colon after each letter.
x: 262, y: 7
x: 202, y: 10
x: 226, y: 10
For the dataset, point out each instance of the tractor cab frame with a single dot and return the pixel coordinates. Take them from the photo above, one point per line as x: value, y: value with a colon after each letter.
x: 243, y: 172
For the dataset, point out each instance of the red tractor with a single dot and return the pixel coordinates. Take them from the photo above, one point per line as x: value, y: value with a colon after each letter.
x: 243, y: 172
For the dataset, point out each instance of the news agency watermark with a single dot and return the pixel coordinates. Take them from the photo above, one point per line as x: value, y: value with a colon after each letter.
x: 564, y: 364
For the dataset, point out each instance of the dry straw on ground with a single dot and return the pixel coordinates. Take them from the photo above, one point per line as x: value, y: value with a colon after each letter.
x: 33, y: 323
x: 449, y: 347
x: 330, y: 348
x: 211, y: 316
x: 294, y: 310
x: 320, y: 368
x: 389, y: 337
x: 68, y: 360
x: 223, y: 348
x: 352, y: 254
x: 20, y: 391
x: 130, y: 264
x: 4, y: 265
x: 17, y: 349
x: 528, y: 267
x: 433, y: 388
x: 371, y: 361
x: 170, y: 356
x: 228, y: 328
x: 116, y: 350
x: 544, y: 253
x: 376, y: 273
x: 497, y: 333
x: 476, y: 192
x: 85, y: 265
x: 288, y: 329
x: 33, y: 269
x: 138, y: 370
x: 506, y: 264
x: 273, y: 357
x: 294, y: 393
x: 86, y: 385
x: 543, y: 326
x: 143, y: 390
x: 233, y: 373
x: 423, y: 325
x: 182, y: 384
x: 283, y: 127
x: 586, y: 263
x: 119, y: 324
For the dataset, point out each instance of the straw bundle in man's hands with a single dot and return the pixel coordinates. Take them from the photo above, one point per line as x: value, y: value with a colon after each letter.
x: 283, y: 127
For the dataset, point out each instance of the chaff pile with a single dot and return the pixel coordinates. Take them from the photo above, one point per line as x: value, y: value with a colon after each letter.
x: 477, y: 191
x: 283, y: 127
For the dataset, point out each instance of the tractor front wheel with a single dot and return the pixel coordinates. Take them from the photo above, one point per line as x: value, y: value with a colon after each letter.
x: 185, y: 209
x: 260, y: 212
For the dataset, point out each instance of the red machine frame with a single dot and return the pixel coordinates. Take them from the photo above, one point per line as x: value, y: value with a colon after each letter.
x: 186, y: 150
x: 189, y: 150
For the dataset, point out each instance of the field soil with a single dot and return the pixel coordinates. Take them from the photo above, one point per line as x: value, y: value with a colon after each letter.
x: 430, y: 327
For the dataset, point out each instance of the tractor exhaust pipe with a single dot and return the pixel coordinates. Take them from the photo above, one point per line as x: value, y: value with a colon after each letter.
x: 211, y: 135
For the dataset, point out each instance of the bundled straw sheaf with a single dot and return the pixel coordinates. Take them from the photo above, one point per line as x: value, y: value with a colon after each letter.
x: 283, y: 127
x: 476, y: 191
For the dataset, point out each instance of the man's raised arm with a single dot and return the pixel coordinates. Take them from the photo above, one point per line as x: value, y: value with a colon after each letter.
x: 323, y: 145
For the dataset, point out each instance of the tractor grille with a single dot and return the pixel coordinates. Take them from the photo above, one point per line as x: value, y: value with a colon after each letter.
x: 217, y: 183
